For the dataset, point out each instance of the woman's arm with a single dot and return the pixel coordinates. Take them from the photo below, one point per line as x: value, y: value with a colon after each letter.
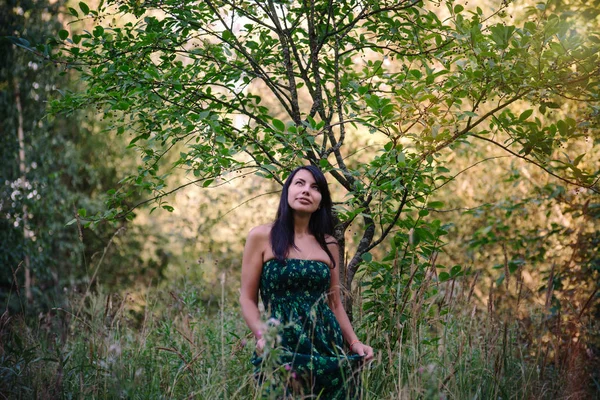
x: 251, y: 269
x: 335, y: 303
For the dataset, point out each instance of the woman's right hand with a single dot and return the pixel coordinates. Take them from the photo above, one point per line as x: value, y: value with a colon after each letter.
x: 260, y: 345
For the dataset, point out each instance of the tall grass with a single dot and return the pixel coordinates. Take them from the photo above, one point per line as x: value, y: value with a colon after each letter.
x: 171, y: 344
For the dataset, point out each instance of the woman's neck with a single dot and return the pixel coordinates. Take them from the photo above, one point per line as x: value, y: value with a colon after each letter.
x: 301, y: 222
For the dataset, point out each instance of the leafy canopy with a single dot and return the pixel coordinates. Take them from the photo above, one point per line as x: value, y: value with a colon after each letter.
x: 263, y: 86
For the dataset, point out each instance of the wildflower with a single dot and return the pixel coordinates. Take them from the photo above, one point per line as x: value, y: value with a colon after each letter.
x: 273, y: 322
x: 244, y: 342
x: 288, y: 367
x: 115, y: 348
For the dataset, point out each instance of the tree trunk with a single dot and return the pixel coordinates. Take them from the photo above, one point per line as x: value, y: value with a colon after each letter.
x: 22, y: 170
x: 340, y: 232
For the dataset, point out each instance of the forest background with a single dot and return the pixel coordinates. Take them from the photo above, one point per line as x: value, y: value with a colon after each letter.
x: 142, y: 140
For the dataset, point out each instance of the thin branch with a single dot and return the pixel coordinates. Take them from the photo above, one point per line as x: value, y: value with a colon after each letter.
x: 249, y: 200
x: 164, y: 194
x: 363, y: 247
x: 337, y: 144
x: 364, y: 15
x: 455, y: 209
x: 468, y: 127
x: 248, y: 15
x: 235, y: 43
x: 454, y: 177
x: 505, y: 148
x: 287, y: 61
x: 394, y: 220
x: 396, y: 51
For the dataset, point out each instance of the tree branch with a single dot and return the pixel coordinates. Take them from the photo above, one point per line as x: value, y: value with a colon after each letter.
x: 505, y: 148
x: 287, y: 60
x: 470, y: 126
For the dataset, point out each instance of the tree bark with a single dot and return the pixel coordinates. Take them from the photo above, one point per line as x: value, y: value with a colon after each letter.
x: 22, y: 170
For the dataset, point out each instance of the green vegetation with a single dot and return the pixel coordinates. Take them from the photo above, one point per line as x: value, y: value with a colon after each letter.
x: 144, y: 139
x: 169, y: 345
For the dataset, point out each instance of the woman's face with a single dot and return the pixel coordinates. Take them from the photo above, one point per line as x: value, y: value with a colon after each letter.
x: 303, y: 193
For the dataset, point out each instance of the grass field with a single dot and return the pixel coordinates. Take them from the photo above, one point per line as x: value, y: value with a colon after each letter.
x: 175, y: 344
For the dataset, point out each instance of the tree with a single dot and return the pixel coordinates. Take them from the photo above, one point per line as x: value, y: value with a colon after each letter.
x: 264, y: 86
x: 51, y: 167
x: 24, y: 86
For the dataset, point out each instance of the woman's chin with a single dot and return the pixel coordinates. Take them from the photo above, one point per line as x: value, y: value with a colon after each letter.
x: 304, y: 209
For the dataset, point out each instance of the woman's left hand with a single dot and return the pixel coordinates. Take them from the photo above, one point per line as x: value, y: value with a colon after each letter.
x: 363, y: 350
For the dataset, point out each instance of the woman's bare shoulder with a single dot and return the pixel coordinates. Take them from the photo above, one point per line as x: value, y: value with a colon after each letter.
x: 260, y: 231
x: 260, y: 236
x: 330, y: 240
x: 257, y: 242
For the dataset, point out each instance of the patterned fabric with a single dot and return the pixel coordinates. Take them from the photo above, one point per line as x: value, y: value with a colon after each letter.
x: 294, y: 293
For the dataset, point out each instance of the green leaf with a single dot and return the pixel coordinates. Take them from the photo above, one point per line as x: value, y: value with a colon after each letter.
x: 84, y: 7
x: 444, y: 276
x: 98, y: 31
x: 416, y: 238
x: 435, y: 204
x: 168, y: 208
x: 455, y: 270
x: 401, y: 159
x: 73, y: 12
x: 458, y: 9
x: 279, y: 125
x: 525, y: 114
x: 324, y: 164
x: 386, y: 110
x: 416, y: 73
x: 563, y: 127
x: 63, y: 34
x: 82, y: 212
x: 577, y: 160
x: 367, y: 257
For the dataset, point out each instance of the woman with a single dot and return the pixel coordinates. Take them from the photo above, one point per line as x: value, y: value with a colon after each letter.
x: 295, y: 264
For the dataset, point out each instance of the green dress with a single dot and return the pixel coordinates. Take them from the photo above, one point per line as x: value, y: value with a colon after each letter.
x: 294, y: 293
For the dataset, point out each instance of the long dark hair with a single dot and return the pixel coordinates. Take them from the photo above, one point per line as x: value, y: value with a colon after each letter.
x: 321, y: 221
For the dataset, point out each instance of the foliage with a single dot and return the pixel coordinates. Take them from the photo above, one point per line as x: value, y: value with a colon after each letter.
x: 168, y: 344
x: 192, y: 79
x: 385, y: 97
x: 67, y: 165
x: 30, y: 199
